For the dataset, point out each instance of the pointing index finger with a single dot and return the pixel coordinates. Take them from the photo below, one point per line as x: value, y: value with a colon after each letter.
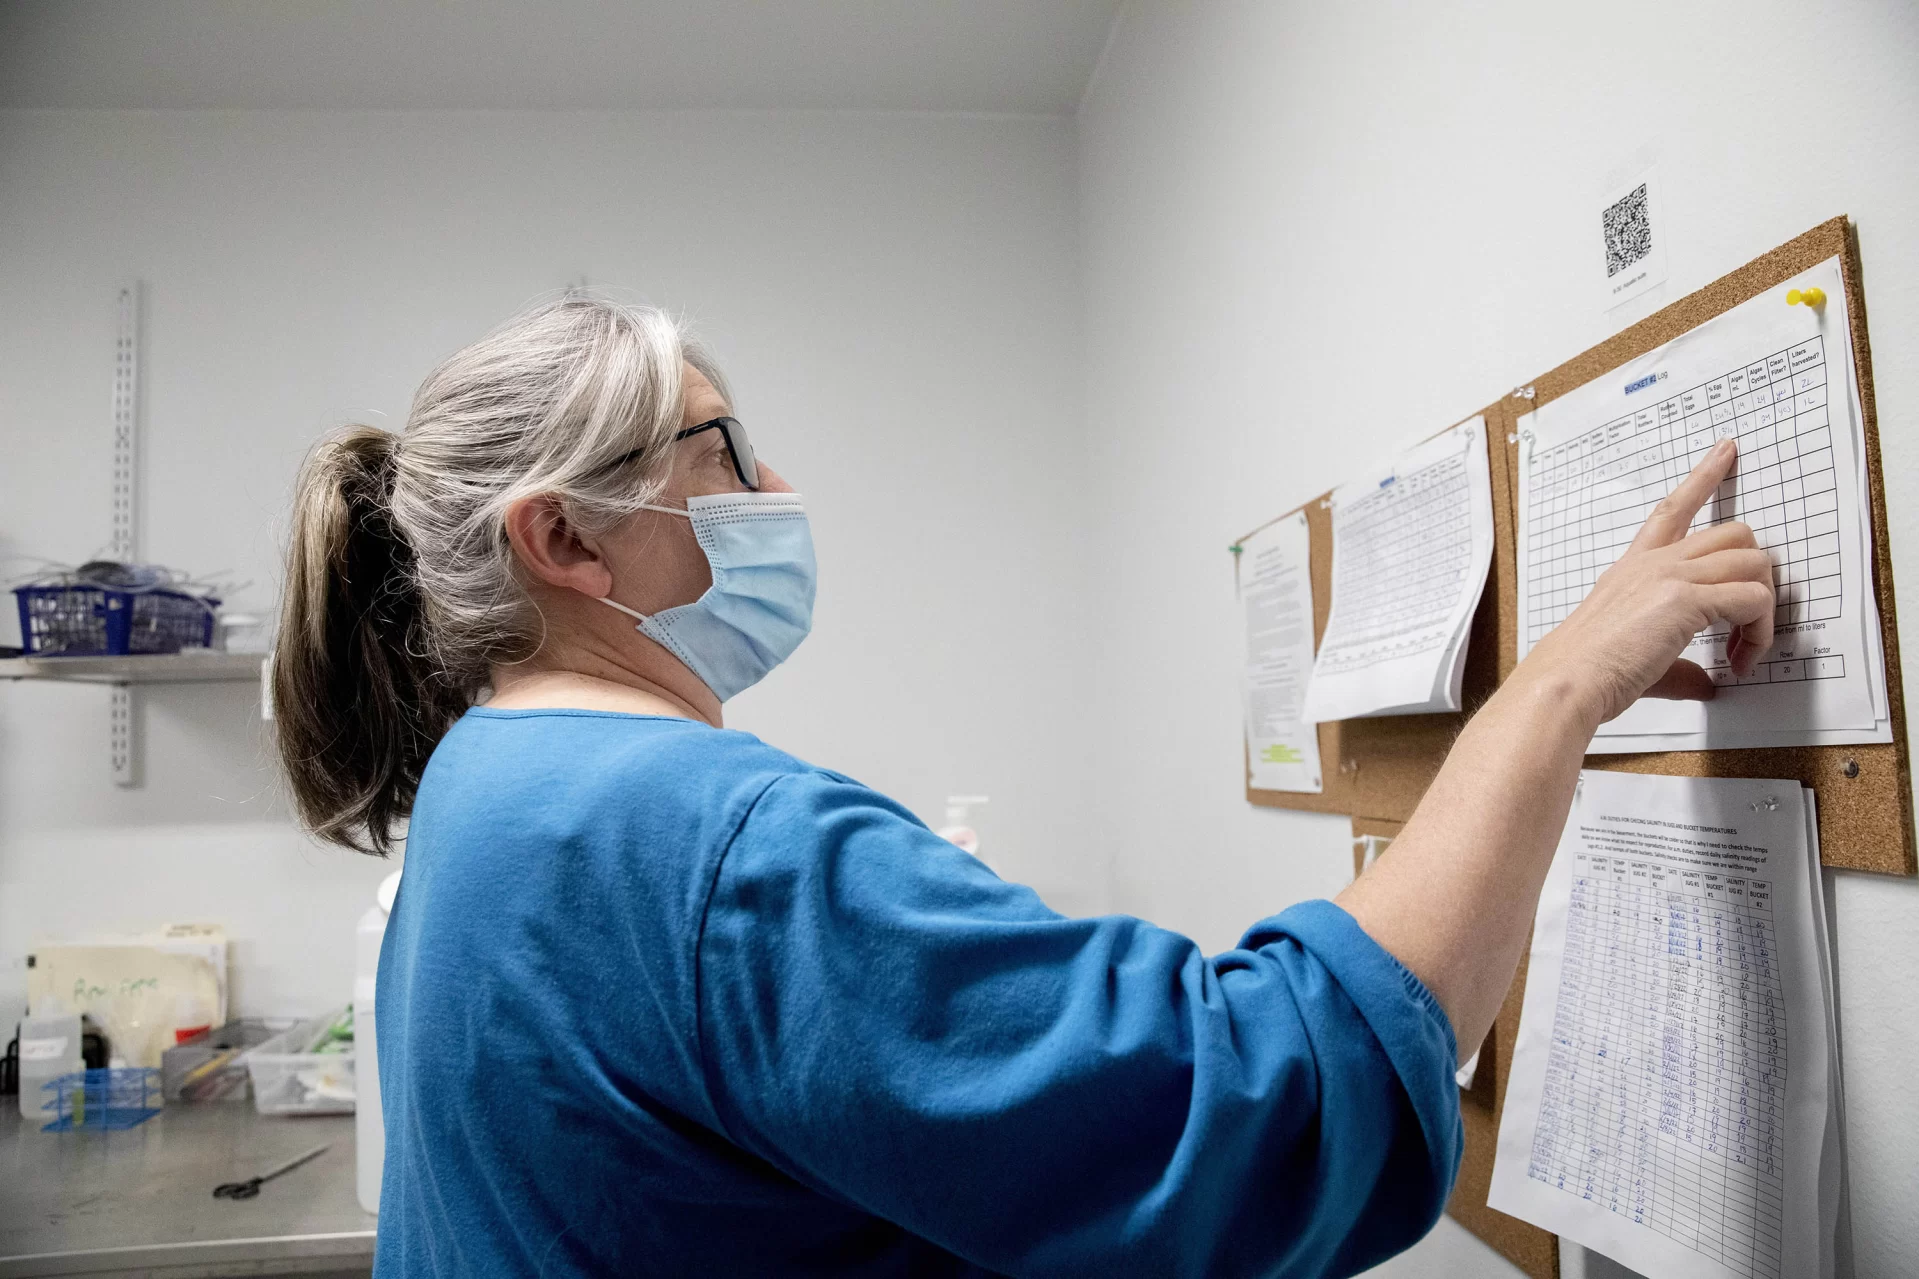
x: 1673, y: 516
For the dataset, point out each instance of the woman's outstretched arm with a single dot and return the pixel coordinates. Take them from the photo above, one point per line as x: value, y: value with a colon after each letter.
x: 1454, y: 895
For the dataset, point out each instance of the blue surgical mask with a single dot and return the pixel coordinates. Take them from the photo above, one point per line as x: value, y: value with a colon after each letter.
x: 760, y: 605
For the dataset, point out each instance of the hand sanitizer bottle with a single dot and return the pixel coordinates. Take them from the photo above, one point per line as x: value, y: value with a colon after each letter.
x: 962, y: 825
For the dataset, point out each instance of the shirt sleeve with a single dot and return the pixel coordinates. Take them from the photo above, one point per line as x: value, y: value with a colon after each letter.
x: 889, y: 1023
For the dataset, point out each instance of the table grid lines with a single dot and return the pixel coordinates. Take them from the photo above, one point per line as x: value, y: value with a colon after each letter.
x: 1588, y: 496
x: 1664, y: 1098
x: 1404, y: 550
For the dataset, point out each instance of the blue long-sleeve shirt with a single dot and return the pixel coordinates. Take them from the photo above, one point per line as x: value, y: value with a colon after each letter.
x: 658, y: 999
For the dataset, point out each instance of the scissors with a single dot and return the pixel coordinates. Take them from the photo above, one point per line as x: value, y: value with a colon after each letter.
x: 251, y: 1187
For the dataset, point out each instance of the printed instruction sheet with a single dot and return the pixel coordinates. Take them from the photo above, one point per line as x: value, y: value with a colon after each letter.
x: 1411, y: 546
x: 1777, y: 378
x: 1673, y: 1100
x: 1276, y: 612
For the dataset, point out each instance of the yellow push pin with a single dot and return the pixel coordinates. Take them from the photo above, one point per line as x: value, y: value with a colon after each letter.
x: 1813, y: 297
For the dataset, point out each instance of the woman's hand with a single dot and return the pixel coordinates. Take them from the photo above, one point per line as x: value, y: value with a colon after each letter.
x: 1453, y: 897
x: 1624, y: 640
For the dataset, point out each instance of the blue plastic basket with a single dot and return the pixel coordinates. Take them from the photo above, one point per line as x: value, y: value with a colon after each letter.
x: 116, y: 1098
x: 98, y: 621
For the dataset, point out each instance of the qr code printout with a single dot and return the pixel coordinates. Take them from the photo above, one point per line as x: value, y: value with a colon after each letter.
x: 1628, y: 231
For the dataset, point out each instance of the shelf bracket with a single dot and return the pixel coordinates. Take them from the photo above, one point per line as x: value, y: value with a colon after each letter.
x: 123, y: 729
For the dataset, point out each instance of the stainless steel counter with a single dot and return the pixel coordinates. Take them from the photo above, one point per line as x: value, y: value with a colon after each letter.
x: 141, y: 1201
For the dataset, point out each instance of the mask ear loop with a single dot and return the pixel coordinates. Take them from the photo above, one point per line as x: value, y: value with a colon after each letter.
x: 613, y: 603
x: 630, y: 612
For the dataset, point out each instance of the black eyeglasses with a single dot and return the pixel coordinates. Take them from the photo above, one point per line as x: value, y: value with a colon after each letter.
x: 738, y: 447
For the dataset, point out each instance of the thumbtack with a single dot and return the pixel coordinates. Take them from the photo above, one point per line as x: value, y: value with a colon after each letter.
x: 1813, y: 297
x: 1851, y: 769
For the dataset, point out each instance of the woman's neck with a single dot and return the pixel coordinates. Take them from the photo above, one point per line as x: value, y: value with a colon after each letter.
x: 518, y: 689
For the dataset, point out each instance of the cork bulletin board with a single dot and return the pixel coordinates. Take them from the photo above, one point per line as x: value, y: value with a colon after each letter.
x: 1379, y: 768
x: 1376, y: 770
x: 1865, y: 792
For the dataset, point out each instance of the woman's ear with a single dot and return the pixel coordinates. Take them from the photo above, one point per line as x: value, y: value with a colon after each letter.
x: 552, y: 550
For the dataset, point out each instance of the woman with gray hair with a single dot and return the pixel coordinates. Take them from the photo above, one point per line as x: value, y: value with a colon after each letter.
x: 658, y: 998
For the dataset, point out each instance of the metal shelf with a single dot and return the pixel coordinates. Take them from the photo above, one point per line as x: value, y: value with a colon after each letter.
x: 198, y: 666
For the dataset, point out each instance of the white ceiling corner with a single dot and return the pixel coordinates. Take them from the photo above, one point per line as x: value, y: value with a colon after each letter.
x: 1026, y: 56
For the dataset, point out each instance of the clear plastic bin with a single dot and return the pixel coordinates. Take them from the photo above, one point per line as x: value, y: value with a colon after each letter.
x: 289, y: 1078
x: 212, y: 1066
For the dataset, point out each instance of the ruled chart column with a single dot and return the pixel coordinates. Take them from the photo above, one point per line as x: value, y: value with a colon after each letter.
x: 1679, y: 1063
x: 1742, y: 1186
x: 1812, y: 496
x: 1717, y: 1069
x: 1647, y: 1031
x: 1559, y: 1139
x: 1594, y: 1098
x: 1768, y: 1076
x: 1611, y: 1047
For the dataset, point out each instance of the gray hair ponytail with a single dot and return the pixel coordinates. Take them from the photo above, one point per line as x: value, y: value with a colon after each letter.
x: 401, y: 592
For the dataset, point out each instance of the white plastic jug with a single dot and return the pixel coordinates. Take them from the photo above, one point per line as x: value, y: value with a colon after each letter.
x: 49, y: 1048
x: 369, y: 1132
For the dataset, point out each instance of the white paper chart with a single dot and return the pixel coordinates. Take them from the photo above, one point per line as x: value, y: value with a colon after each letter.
x: 1410, y: 552
x: 1665, y: 1099
x: 1669, y: 1092
x: 1276, y: 612
x: 1595, y: 462
x: 1788, y: 491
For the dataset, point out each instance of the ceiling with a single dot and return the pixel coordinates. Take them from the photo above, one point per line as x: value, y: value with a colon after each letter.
x: 921, y: 55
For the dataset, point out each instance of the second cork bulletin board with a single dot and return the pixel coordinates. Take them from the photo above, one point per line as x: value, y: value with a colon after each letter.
x: 1381, y: 767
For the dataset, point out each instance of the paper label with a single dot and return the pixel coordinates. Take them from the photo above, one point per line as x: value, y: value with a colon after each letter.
x: 1633, y: 237
x: 43, y: 1049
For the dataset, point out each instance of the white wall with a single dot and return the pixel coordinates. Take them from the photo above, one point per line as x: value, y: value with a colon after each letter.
x: 1311, y: 231
x: 1300, y: 233
x: 894, y: 295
